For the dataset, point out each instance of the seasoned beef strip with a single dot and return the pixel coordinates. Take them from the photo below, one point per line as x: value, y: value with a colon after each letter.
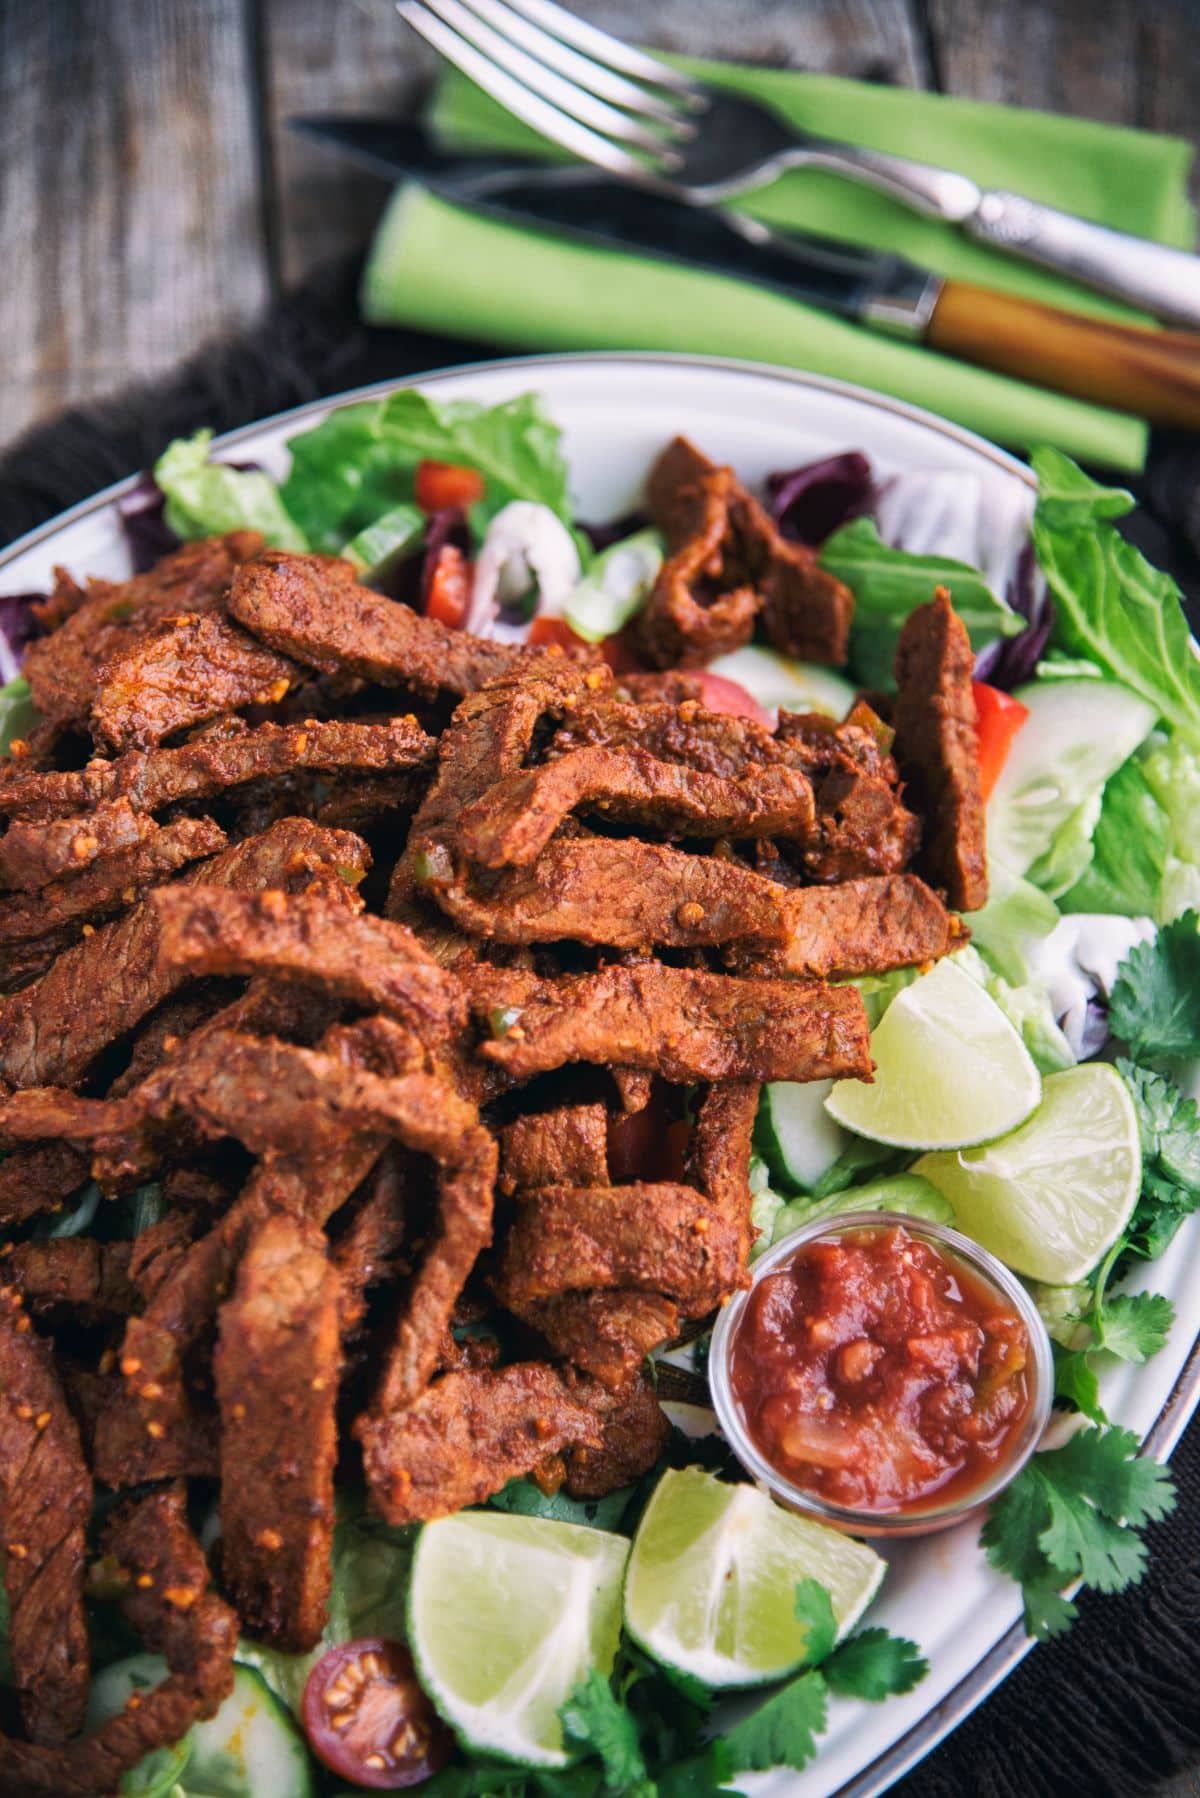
x: 658, y: 1237
x: 568, y: 1145
x: 63, y: 668
x: 33, y: 853
x: 204, y: 766
x: 938, y: 748
x: 367, y: 1249
x: 53, y: 918
x: 363, y: 959
x: 678, y: 1022
x: 45, y: 1507
x: 606, y: 1334
x: 716, y: 743
x: 37, y: 1179
x: 168, y: 1602
x: 468, y: 1435
x: 726, y: 561
x: 186, y: 669
x: 313, y: 608
x: 719, y: 1153
x: 633, y: 1437
x: 622, y: 894
x: 857, y: 927
x: 86, y: 1279
x: 512, y: 822
x: 51, y: 1032
x: 277, y: 1364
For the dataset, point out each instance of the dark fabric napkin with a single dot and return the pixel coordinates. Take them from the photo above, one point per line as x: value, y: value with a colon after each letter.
x: 1112, y: 1709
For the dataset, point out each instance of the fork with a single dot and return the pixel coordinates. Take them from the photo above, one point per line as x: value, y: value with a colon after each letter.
x: 613, y: 105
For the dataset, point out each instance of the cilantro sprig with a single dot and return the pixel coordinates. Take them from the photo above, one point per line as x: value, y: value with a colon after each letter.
x: 648, y: 1733
x: 1073, y: 1513
x: 1155, y: 1003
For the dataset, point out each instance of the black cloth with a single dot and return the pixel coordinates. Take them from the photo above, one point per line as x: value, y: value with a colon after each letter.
x: 1113, y: 1708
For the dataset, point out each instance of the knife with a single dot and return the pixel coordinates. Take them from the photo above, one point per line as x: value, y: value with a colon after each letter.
x: 1153, y: 373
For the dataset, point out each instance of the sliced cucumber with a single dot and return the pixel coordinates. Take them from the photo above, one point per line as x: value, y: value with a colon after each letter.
x: 796, y: 1134
x: 250, y: 1748
x: 780, y: 682
x: 1078, y: 732
x: 615, y: 587
x: 160, y: 1771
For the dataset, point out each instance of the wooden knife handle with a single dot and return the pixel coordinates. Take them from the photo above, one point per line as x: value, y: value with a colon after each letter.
x: 1155, y: 374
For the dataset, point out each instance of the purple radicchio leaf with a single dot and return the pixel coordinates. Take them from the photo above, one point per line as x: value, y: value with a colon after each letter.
x: 811, y: 502
x: 1011, y: 661
x: 17, y: 626
x: 143, y: 520
x: 1095, y: 1033
x: 603, y: 536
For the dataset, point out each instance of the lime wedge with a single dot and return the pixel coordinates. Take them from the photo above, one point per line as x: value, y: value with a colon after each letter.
x: 950, y: 1069
x: 506, y: 1615
x: 711, y: 1587
x: 1052, y: 1198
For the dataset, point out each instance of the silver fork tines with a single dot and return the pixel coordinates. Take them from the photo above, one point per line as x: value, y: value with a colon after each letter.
x: 581, y: 97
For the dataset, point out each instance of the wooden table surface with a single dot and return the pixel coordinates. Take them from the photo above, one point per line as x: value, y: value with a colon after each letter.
x: 150, y: 195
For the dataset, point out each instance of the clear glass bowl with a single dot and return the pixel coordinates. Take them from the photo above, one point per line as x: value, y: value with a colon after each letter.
x: 932, y: 1516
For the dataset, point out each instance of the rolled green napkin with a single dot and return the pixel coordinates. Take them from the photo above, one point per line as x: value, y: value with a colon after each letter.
x: 446, y: 268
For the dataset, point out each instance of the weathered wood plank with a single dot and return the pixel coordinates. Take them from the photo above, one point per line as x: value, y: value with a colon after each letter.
x: 372, y: 62
x: 130, y: 192
x: 1127, y: 62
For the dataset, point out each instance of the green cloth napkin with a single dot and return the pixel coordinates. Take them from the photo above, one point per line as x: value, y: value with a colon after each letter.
x: 446, y: 268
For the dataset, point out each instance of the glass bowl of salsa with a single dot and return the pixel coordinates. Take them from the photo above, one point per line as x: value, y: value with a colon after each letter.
x: 882, y: 1374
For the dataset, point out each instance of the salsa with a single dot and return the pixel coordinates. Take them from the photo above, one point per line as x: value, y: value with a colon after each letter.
x: 879, y: 1373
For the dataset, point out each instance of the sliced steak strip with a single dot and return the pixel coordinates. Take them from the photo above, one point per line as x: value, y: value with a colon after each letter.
x: 53, y: 918
x: 169, y: 1603
x: 621, y: 894
x: 567, y: 1146
x: 661, y: 1238
x: 62, y: 668
x: 858, y: 927
x: 678, y: 1022
x: 33, y: 853
x: 633, y: 1437
x: 368, y: 1248
x: 187, y: 669
x: 511, y: 824
x: 719, y: 1153
x: 52, y: 1031
x: 468, y: 1435
x: 45, y: 1507
x: 606, y: 1334
x: 277, y: 1365
x: 39, y: 1179
x: 313, y: 608
x: 87, y: 1279
x: 147, y: 780
x: 716, y: 743
x: 937, y: 747
x: 364, y: 959
x: 726, y: 562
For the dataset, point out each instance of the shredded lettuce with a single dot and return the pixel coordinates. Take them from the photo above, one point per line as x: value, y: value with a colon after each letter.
x: 205, y: 499
x: 1112, y: 607
x: 1017, y: 916
x: 888, y: 584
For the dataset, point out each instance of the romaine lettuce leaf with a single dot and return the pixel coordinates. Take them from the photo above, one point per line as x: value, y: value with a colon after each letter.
x: 17, y: 713
x: 361, y: 461
x: 1112, y: 606
x: 1016, y: 916
x: 205, y: 499
x: 1028, y: 1009
x: 1146, y: 847
x: 888, y: 584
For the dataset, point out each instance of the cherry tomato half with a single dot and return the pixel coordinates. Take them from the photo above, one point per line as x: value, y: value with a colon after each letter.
x: 998, y: 718
x: 448, y: 588
x: 444, y: 484
x: 717, y: 694
x: 544, y: 632
x: 366, y: 1717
